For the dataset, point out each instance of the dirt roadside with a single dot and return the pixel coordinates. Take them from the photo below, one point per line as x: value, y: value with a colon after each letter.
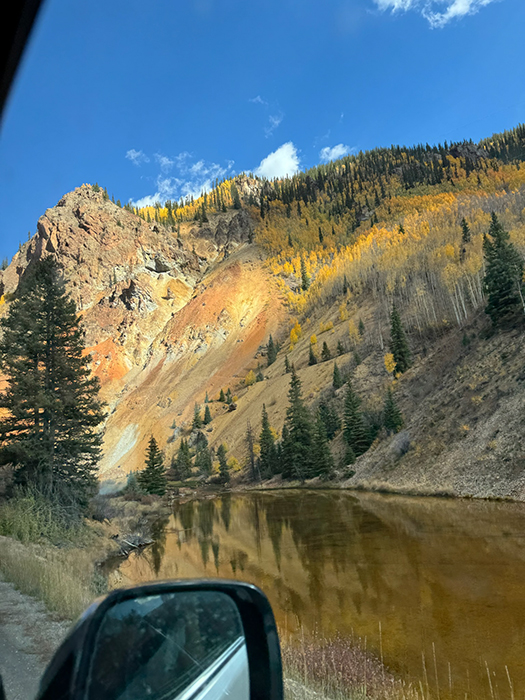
x: 29, y: 636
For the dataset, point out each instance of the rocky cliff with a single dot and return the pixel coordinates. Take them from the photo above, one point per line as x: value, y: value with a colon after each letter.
x: 168, y: 316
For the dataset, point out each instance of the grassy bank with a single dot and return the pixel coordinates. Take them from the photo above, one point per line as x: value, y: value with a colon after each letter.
x: 338, y: 669
x: 56, y: 559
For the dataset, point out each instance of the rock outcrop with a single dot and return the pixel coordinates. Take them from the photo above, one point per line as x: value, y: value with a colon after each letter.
x: 168, y: 317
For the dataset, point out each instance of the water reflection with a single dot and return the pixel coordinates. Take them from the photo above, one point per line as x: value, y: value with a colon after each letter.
x: 437, y: 586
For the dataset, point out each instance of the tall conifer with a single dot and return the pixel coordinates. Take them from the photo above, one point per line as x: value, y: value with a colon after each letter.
x: 399, y: 343
x: 503, y: 275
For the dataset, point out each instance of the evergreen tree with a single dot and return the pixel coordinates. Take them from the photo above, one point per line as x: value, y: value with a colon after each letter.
x: 305, y: 279
x: 271, y: 351
x: 361, y: 327
x: 197, y: 420
x: 268, y: 455
x: 392, y: 418
x: 465, y: 231
x: 249, y: 440
x: 325, y: 352
x: 354, y: 429
x: 52, y: 411
x: 465, y: 239
x: 322, y: 460
x: 503, y: 274
x: 207, y: 415
x: 331, y: 420
x: 222, y: 398
x: 229, y: 397
x: 312, y: 359
x: 235, y: 196
x: 337, y: 379
x: 181, y: 464
x: 286, y: 454
x: 224, y: 470
x: 203, y: 461
x: 153, y: 478
x: 259, y: 377
x: 299, y: 424
x: 398, y: 343
x: 287, y: 367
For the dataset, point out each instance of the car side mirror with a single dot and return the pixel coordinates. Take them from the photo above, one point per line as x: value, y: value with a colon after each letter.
x: 202, y: 640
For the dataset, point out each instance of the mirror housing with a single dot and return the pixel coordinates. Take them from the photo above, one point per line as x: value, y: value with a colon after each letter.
x: 68, y: 674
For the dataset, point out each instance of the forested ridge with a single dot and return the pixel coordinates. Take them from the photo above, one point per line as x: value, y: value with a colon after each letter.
x: 383, y: 260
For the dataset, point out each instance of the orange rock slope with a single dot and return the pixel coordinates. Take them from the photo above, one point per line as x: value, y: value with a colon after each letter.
x: 168, y: 317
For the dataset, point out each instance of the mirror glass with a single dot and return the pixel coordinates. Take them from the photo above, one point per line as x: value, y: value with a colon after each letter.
x: 177, y: 645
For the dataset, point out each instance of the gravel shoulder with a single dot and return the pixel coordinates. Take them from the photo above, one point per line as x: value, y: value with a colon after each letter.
x: 29, y: 636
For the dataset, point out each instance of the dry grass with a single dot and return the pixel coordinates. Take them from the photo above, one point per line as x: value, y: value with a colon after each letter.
x: 66, y: 580
x: 338, y: 669
x: 56, y: 561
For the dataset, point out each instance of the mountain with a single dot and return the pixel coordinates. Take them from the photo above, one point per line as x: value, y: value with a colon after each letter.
x: 179, y: 302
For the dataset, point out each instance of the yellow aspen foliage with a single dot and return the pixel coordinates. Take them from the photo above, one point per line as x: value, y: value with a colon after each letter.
x: 250, y: 378
x: 390, y: 363
x: 295, y: 334
x: 343, y: 313
x: 353, y: 332
x: 313, y: 339
x: 2, y: 300
x: 323, y: 327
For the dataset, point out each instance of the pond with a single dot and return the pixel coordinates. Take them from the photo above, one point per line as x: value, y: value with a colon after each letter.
x: 436, y: 587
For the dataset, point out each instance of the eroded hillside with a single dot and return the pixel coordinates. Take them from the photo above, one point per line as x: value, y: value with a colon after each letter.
x: 168, y: 315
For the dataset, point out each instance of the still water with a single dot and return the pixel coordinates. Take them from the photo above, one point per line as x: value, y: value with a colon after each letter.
x: 436, y: 587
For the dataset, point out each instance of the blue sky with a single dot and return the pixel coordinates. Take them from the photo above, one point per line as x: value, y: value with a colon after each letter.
x: 158, y: 98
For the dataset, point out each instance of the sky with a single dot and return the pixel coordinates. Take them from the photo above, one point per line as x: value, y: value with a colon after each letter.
x: 154, y: 100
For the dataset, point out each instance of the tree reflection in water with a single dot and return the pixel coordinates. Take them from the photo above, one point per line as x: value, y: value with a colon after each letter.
x: 437, y: 574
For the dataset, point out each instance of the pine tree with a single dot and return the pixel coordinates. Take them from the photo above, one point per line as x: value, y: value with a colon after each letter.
x: 224, y: 470
x: 322, y: 460
x: 503, y: 274
x: 203, y: 461
x: 268, y: 456
x: 52, y: 411
x: 271, y: 351
x: 305, y: 280
x: 249, y: 441
x: 312, y: 359
x: 325, y: 352
x: 465, y: 239
x: 361, y: 327
x: 392, y: 418
x: 229, y: 397
x: 337, y: 379
x: 235, y: 196
x: 197, y: 420
x: 398, y: 342
x: 287, y: 367
x: 354, y: 429
x: 153, y: 478
x: 331, y: 420
x: 299, y: 424
x: 181, y: 464
x: 222, y: 398
x: 207, y: 415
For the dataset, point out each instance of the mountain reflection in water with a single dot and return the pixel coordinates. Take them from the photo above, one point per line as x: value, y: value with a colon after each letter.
x: 437, y: 585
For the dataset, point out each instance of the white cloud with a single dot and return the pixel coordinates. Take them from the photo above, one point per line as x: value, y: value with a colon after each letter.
x: 284, y: 161
x: 437, y: 12
x: 258, y: 101
x: 273, y: 122
x: 166, y: 164
x: 192, y: 178
x: 333, y: 153
x: 137, y: 157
